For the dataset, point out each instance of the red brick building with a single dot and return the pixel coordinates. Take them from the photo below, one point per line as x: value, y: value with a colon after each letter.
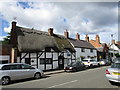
x: 102, y: 48
x: 5, y: 53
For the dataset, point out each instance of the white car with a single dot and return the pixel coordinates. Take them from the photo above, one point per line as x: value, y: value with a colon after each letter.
x: 90, y: 62
x: 16, y: 71
x: 113, y: 73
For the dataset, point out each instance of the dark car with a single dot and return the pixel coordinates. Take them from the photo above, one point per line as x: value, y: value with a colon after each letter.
x: 75, y: 66
x: 108, y: 62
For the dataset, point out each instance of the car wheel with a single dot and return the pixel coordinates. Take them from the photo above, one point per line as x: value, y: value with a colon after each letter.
x: 37, y: 76
x: 91, y: 66
x: 84, y: 68
x: 5, y: 80
x: 98, y: 65
x: 74, y: 69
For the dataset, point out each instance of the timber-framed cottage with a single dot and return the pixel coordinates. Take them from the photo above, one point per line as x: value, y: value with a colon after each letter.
x: 44, y: 50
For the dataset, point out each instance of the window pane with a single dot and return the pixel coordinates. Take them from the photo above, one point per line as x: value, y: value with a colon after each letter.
x: 13, y: 67
x: 7, y: 67
x: 26, y: 67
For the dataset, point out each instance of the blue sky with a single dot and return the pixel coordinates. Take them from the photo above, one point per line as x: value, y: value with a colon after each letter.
x: 4, y: 23
x: 83, y: 18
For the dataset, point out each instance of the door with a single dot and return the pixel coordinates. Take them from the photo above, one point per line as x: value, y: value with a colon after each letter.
x: 28, y: 72
x: 61, y: 62
x: 15, y: 72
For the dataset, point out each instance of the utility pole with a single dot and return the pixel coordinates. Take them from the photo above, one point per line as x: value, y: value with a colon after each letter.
x: 112, y: 47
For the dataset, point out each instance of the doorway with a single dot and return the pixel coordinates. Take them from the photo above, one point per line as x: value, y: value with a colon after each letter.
x: 61, y: 62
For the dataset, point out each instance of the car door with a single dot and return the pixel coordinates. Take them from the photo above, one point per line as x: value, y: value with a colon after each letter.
x: 15, y: 72
x: 78, y: 66
x: 28, y: 71
x: 93, y: 62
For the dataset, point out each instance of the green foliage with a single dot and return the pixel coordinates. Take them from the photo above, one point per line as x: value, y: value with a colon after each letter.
x: 6, y: 40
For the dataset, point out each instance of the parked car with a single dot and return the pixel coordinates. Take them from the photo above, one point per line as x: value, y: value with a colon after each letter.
x: 75, y: 66
x: 108, y: 62
x: 113, y: 73
x: 90, y: 62
x: 116, y: 59
x: 16, y: 71
x: 102, y: 62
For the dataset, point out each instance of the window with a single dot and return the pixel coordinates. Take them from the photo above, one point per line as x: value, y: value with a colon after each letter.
x: 115, y: 65
x: 82, y: 58
x: 47, y: 61
x: 14, y: 67
x: 82, y: 50
x: 6, y: 67
x: 92, y: 60
x: 26, y: 67
x: 48, y: 49
x: 91, y: 50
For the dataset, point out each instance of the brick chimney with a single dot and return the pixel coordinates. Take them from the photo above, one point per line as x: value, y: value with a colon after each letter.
x: 113, y: 41
x: 13, y: 42
x: 66, y: 34
x: 13, y: 39
x: 77, y: 36
x: 50, y: 31
x: 87, y: 38
x: 97, y: 39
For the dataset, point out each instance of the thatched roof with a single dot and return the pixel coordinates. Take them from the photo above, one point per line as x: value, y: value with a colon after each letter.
x: 30, y: 40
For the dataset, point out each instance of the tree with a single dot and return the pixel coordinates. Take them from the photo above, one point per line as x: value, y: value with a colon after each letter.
x: 6, y: 40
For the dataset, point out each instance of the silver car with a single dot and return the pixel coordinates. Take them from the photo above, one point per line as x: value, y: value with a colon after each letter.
x: 113, y: 73
x: 16, y: 71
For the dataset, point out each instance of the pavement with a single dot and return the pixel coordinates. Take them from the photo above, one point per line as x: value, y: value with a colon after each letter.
x: 53, y: 72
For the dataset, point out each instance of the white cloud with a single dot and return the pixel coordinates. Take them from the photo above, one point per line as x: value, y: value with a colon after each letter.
x: 2, y: 37
x: 63, y: 16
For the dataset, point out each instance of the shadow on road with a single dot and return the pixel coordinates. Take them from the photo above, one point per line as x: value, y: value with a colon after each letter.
x: 26, y: 80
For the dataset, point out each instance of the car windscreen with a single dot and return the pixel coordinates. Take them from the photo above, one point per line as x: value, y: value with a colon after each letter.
x: 72, y: 64
x: 115, y: 65
x: 85, y: 60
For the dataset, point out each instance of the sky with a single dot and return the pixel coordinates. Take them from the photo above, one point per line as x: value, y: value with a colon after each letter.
x: 77, y: 17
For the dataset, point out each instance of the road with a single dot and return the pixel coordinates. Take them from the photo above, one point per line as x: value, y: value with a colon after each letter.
x: 90, y: 78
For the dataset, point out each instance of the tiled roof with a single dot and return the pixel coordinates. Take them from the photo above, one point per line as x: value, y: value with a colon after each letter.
x: 118, y: 46
x: 81, y: 43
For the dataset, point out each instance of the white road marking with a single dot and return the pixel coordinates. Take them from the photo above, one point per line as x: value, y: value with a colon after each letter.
x: 63, y: 84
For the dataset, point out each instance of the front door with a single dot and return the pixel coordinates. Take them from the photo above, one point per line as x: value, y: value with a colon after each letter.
x: 61, y: 62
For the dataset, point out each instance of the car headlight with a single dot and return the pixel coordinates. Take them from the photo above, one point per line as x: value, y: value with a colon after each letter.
x: 70, y: 67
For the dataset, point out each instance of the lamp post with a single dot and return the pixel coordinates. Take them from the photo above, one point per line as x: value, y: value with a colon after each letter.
x: 112, y: 47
